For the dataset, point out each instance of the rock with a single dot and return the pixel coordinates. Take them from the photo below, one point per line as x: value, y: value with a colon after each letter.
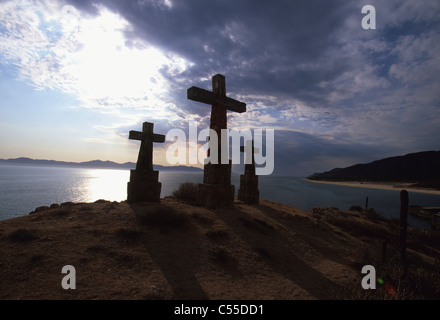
x: 54, y: 205
x: 67, y: 204
x: 101, y: 201
x: 40, y: 209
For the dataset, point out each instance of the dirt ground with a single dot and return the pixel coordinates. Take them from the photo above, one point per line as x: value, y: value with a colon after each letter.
x: 174, y: 250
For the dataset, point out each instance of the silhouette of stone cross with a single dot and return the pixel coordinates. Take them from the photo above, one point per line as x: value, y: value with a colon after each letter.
x: 147, y: 137
x: 250, y: 151
x: 220, y: 103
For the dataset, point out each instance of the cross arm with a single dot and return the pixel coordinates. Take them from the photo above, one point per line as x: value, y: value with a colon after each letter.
x: 205, y: 96
x: 135, y: 135
x: 158, y: 138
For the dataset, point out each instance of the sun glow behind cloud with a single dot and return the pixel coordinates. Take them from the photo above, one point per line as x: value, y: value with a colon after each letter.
x: 54, y: 47
x: 335, y: 89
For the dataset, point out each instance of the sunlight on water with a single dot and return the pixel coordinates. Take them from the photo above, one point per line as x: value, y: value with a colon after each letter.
x: 106, y: 184
x: 24, y: 188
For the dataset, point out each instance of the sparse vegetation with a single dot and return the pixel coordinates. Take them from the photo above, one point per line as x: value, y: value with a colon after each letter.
x: 356, y: 208
x: 187, y: 192
x: 422, y: 281
x: 374, y: 216
x: 158, y: 251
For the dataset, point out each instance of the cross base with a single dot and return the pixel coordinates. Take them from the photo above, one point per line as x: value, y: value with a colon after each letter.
x: 248, y: 192
x: 215, y: 195
x: 217, y: 173
x: 144, y: 186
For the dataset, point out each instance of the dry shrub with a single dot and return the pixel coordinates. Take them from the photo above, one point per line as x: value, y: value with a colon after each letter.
x: 187, y: 192
x: 422, y: 281
x: 356, y: 208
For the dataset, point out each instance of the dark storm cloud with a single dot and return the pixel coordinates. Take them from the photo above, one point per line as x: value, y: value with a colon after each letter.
x: 313, y: 51
x: 265, y: 47
x: 302, y: 154
x: 364, y: 90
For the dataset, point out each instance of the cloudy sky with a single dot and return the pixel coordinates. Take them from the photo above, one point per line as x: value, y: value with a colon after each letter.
x: 76, y: 76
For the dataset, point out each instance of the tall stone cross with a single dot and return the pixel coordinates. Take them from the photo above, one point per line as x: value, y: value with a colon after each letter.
x: 248, y: 191
x: 147, y: 137
x: 216, y: 189
x: 220, y: 103
x: 144, y: 182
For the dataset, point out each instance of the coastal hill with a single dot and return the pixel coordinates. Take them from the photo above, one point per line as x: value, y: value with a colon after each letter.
x: 175, y: 250
x: 421, y: 167
x: 93, y: 164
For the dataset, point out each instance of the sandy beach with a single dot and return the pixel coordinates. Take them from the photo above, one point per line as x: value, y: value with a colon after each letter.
x: 379, y: 185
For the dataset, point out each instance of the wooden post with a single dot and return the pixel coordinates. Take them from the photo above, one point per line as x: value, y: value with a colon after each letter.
x: 366, y: 204
x: 403, y: 228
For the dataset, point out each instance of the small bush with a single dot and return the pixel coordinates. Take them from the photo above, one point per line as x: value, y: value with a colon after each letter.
x: 187, y: 191
x: 356, y: 208
x: 373, y: 215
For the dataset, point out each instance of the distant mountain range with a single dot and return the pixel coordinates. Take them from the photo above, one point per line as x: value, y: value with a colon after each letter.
x: 93, y: 164
x: 421, y: 167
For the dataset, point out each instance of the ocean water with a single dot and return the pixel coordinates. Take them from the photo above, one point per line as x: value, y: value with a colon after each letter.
x: 23, y: 188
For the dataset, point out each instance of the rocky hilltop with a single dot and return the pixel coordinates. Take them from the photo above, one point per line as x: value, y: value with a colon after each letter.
x: 174, y: 250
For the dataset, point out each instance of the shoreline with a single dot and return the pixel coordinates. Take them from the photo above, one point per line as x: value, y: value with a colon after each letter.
x: 397, y: 186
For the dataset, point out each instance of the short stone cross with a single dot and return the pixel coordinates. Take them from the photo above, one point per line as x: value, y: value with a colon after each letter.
x: 248, y: 191
x: 147, y: 137
x: 144, y: 182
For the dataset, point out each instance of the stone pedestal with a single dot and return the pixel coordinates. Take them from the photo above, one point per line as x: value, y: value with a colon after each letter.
x: 248, y: 192
x: 144, y: 186
x: 215, y: 195
x: 216, y: 190
x: 217, y: 173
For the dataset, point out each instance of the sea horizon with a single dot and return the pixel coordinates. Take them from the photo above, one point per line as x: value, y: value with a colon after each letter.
x: 24, y: 188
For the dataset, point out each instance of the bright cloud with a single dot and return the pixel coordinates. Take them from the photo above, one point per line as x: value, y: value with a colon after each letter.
x: 54, y: 47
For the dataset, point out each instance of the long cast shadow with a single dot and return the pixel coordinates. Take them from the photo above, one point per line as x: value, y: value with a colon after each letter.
x: 281, y: 258
x: 315, y: 243
x: 173, y: 248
